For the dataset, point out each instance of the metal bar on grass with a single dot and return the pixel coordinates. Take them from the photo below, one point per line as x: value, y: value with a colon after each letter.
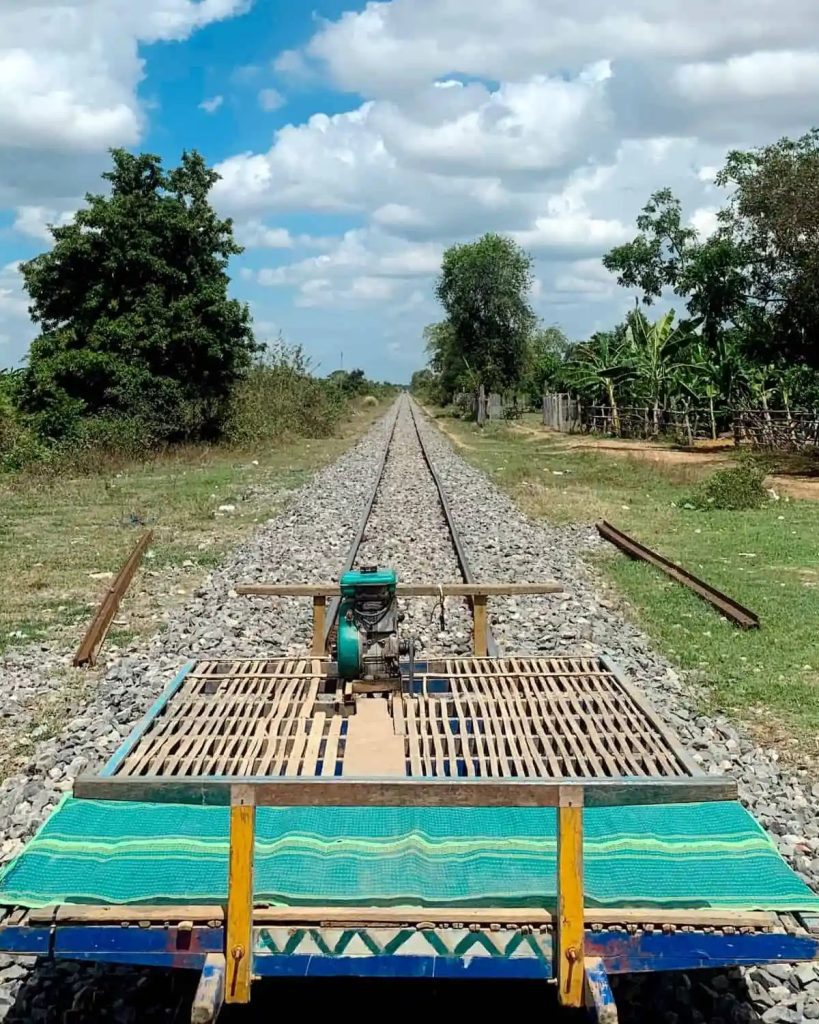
x: 737, y: 613
x: 98, y: 629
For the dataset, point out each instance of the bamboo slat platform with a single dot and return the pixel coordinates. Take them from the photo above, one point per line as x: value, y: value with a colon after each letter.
x: 516, y: 717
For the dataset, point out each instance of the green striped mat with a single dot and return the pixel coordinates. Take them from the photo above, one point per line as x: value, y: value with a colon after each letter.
x: 695, y: 855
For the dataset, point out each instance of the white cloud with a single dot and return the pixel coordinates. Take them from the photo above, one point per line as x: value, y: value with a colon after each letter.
x: 16, y: 328
x: 587, y: 280
x: 211, y: 105
x: 704, y: 220
x: 572, y: 232
x: 752, y: 76
x: 270, y: 99
x: 69, y: 73
x: 35, y: 220
x: 253, y: 234
x: 388, y: 48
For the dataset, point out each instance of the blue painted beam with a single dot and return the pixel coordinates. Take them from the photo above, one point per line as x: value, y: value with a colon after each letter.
x: 618, y: 951
x: 597, y: 994
x: 139, y: 730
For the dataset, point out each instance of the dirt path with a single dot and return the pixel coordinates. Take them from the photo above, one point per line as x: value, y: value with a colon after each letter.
x: 714, y: 453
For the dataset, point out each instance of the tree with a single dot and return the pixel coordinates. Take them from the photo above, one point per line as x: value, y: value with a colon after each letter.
x: 448, y: 365
x: 773, y: 214
x: 132, y: 302
x: 545, y: 362
x: 655, y: 259
x: 709, y: 275
x: 484, y: 289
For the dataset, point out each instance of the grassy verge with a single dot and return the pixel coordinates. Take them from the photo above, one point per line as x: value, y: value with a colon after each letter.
x: 62, y: 538
x: 766, y: 559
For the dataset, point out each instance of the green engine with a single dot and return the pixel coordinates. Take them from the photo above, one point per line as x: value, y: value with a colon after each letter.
x: 367, y: 645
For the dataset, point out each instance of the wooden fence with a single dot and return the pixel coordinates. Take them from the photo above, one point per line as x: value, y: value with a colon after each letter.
x: 771, y: 429
x: 562, y: 412
x: 482, y: 407
x: 777, y: 429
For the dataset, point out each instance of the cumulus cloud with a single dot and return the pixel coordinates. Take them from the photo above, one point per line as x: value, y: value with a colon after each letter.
x: 211, y: 105
x: 68, y: 82
x: 390, y: 47
x: 270, y: 99
x: 34, y: 221
x: 752, y: 76
x: 16, y: 329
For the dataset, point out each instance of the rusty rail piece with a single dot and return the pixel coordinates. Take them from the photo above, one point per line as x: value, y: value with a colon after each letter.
x: 736, y: 613
x: 492, y: 648
x: 98, y: 629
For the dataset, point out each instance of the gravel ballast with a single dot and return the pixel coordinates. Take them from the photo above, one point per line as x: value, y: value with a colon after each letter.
x: 308, y: 542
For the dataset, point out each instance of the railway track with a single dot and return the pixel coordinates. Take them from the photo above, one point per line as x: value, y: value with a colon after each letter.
x: 419, y: 506
x: 407, y: 522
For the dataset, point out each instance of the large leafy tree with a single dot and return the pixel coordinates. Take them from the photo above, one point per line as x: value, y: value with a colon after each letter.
x: 132, y: 301
x: 773, y: 214
x: 668, y: 254
x: 545, y: 362
x: 484, y: 288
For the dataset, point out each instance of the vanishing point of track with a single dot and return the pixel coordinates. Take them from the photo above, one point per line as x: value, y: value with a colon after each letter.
x: 463, y: 563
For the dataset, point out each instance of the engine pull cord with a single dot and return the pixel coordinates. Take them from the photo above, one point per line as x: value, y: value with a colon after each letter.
x: 439, y: 605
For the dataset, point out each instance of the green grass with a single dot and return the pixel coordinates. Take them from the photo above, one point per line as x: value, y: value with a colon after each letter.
x: 60, y: 536
x: 764, y: 558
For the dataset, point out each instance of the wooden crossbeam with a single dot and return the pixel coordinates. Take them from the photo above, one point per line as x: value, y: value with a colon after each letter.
x: 168, y: 914
x: 392, y: 792
x: 403, y: 589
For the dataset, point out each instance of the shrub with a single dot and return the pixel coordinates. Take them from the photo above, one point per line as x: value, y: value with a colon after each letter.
x: 280, y: 397
x: 737, y: 487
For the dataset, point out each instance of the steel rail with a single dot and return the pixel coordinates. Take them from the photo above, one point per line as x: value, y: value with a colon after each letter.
x: 492, y: 647
x: 737, y: 613
x: 463, y: 563
x: 332, y: 607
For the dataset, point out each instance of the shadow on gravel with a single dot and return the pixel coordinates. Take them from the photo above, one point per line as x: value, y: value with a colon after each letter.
x: 66, y: 993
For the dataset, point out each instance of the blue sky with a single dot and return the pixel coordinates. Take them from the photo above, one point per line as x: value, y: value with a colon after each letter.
x: 357, y: 141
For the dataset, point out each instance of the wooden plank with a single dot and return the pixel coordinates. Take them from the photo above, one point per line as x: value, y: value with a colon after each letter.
x: 732, y: 610
x: 597, y: 994
x: 570, y: 927
x: 98, y: 628
x: 210, y: 992
x: 167, y: 914
x: 319, y: 621
x: 300, y: 792
x: 480, y: 623
x: 239, y: 938
x: 404, y: 589
x: 330, y: 755
x: 309, y: 765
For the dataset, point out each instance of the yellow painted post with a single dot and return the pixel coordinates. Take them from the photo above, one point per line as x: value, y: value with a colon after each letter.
x: 239, y: 938
x: 570, y: 926
x: 319, y: 619
x: 479, y: 626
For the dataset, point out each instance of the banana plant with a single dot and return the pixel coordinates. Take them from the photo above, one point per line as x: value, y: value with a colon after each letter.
x: 601, y: 365
x: 657, y: 352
